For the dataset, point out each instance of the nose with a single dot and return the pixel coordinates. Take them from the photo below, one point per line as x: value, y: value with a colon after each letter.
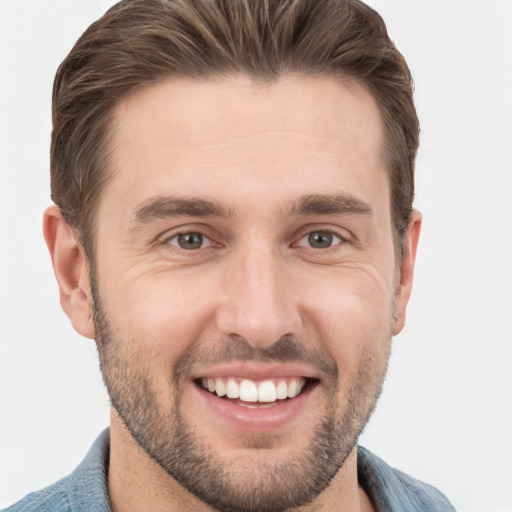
x: 259, y: 303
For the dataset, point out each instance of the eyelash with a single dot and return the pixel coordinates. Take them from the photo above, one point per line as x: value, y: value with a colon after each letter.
x: 343, y: 239
x: 167, y: 240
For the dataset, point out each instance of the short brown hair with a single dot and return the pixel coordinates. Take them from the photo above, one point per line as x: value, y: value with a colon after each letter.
x: 140, y: 42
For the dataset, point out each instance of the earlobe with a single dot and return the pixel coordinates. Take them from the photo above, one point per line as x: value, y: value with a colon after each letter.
x: 404, y: 286
x: 71, y: 270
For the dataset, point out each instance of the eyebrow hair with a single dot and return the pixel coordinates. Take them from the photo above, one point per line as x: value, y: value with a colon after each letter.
x: 329, y: 205
x: 162, y: 207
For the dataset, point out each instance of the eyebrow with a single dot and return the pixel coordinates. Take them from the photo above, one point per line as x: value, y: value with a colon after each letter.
x: 329, y: 205
x: 163, y: 207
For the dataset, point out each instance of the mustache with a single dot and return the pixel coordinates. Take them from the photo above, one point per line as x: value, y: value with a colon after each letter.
x: 287, y: 349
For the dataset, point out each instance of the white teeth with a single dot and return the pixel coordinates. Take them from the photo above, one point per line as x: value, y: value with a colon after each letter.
x: 232, y: 389
x: 282, y: 390
x: 293, y: 389
x: 250, y: 391
x: 220, y: 389
x: 267, y: 392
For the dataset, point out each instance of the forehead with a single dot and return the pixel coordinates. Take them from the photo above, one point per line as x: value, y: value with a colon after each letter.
x: 232, y: 136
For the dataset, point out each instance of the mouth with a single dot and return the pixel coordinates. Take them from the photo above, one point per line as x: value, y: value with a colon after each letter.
x: 256, y: 394
x: 245, y: 397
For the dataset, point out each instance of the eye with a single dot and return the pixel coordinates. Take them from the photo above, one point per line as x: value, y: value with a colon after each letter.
x: 190, y: 241
x: 319, y: 240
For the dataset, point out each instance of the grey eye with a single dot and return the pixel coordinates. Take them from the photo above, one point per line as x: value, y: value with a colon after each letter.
x: 189, y: 241
x: 319, y: 240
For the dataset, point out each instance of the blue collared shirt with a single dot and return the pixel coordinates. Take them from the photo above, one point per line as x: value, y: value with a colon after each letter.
x: 85, y: 490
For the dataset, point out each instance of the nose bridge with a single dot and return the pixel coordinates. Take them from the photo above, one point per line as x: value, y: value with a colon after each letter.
x: 259, y: 305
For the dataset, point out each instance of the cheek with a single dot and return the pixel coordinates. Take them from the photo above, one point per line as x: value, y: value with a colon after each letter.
x: 351, y: 315
x: 163, y: 314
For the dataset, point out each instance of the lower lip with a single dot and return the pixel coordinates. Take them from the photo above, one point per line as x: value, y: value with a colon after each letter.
x: 259, y: 419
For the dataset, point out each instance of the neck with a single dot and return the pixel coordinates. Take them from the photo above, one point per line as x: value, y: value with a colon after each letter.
x: 137, y: 483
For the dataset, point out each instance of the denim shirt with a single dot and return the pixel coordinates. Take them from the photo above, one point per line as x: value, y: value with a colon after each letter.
x: 85, y: 490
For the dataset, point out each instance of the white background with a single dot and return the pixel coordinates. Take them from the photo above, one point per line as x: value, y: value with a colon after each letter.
x: 446, y: 414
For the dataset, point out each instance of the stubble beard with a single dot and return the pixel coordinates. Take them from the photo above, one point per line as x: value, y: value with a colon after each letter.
x: 242, y: 486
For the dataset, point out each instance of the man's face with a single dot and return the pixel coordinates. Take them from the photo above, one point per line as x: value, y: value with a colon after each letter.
x: 245, y: 243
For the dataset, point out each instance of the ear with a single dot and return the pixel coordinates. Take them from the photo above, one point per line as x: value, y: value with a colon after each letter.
x: 71, y: 270
x: 406, y: 274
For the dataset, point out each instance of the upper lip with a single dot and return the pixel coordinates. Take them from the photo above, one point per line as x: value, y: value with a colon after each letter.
x: 256, y: 372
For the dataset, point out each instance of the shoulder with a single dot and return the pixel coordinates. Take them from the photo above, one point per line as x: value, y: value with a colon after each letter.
x: 83, y: 490
x: 53, y: 498
x: 393, y: 490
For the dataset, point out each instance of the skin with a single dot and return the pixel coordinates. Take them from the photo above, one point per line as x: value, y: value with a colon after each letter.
x: 255, y: 150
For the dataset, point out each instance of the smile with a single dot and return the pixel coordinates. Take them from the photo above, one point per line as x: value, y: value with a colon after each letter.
x: 247, y: 392
x: 248, y: 398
